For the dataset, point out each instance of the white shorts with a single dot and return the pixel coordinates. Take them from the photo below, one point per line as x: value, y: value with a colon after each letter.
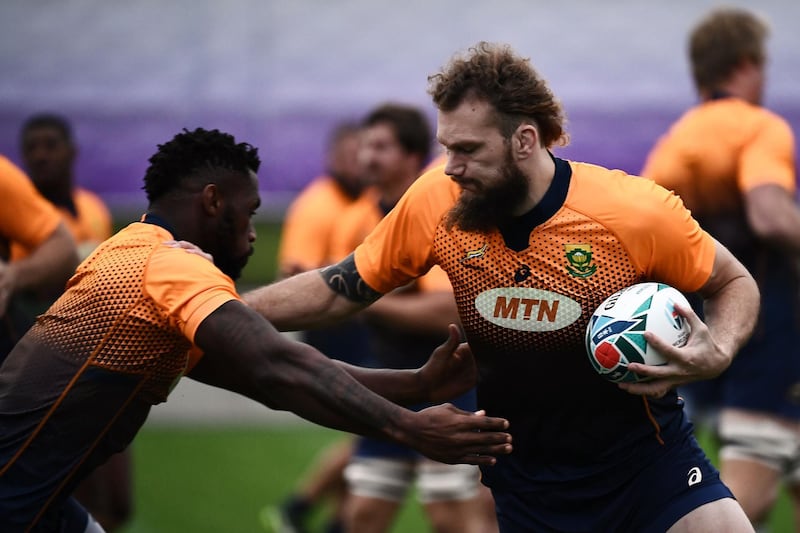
x: 768, y: 440
x: 390, y: 479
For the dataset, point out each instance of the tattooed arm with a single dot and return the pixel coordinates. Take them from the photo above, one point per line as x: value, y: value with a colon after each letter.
x: 313, y: 299
x: 245, y: 354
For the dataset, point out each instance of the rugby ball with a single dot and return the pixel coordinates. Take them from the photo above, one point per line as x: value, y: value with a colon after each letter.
x: 615, y: 333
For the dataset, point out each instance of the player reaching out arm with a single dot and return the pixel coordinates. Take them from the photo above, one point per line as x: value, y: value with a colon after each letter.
x: 138, y: 315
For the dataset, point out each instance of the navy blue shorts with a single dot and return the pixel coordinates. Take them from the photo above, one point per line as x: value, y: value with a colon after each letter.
x: 679, y: 481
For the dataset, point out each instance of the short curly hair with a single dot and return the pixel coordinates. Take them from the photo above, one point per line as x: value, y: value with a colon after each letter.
x: 495, y: 74
x: 189, y: 157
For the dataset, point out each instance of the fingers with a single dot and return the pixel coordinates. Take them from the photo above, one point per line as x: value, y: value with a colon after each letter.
x: 449, y: 346
x: 688, y: 313
x: 191, y: 248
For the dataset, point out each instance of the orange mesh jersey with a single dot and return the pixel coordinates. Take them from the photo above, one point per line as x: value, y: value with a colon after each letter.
x: 525, y: 311
x: 719, y: 150
x: 122, y: 331
x: 27, y: 218
x: 309, y: 224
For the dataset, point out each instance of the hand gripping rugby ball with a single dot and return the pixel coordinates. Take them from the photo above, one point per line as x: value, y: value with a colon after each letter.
x: 615, y: 333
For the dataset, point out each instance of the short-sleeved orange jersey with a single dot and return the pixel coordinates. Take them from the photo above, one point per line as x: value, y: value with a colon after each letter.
x: 309, y: 224
x: 123, y: 331
x: 718, y: 151
x: 358, y: 220
x: 92, y: 225
x: 525, y: 311
x: 26, y: 218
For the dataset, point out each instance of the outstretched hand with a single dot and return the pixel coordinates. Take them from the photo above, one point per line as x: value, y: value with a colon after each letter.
x: 700, y: 358
x: 449, y: 435
x: 450, y: 371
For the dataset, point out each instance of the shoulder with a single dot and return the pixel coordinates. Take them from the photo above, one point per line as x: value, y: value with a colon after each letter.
x: 613, y: 195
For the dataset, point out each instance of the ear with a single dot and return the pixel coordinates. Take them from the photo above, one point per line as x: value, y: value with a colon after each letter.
x: 525, y: 140
x: 211, y: 199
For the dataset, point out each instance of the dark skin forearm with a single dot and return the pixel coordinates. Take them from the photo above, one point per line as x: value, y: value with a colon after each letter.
x: 245, y: 354
x: 292, y: 376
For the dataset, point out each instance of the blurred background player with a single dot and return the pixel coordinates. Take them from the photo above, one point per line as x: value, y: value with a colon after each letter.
x: 32, y: 224
x: 732, y: 162
x: 48, y: 153
x: 305, y: 244
x: 403, y: 328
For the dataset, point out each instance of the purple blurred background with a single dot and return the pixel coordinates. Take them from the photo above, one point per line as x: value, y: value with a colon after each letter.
x: 280, y: 74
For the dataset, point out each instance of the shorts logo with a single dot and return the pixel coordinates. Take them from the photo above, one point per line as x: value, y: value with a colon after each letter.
x: 580, y: 260
x: 695, y: 476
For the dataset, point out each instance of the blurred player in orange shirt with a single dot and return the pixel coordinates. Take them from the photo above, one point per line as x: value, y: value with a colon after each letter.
x: 312, y: 217
x: 48, y: 153
x: 28, y: 221
x: 733, y: 163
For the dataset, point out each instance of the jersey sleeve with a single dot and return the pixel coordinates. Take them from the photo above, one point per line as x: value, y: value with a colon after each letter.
x: 27, y: 218
x: 187, y: 286
x: 769, y: 156
x: 663, y: 239
x: 400, y: 248
x: 435, y: 280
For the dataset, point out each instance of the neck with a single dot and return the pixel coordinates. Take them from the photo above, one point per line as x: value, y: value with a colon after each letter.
x: 59, y: 194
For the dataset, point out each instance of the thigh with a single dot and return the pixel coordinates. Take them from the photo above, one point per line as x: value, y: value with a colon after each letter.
x: 720, y: 515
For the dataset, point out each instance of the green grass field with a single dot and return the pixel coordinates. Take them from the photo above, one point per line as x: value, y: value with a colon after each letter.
x: 203, y: 480
x: 206, y: 480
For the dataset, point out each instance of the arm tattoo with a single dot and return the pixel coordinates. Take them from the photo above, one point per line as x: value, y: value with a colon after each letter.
x: 343, y: 278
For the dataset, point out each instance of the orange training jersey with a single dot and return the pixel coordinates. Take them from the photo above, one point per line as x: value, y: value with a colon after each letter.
x: 26, y: 218
x: 525, y: 311
x: 309, y: 224
x: 122, y: 331
x: 719, y: 150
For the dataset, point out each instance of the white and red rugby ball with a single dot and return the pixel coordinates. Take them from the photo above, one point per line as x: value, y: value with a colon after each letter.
x: 615, y: 333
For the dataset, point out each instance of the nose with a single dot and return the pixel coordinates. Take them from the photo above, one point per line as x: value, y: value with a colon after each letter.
x: 454, y: 166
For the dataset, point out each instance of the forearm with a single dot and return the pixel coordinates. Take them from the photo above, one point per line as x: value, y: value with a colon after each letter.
x: 304, y: 301
x: 731, y: 314
x: 49, y: 266
x: 403, y: 387
x: 244, y: 354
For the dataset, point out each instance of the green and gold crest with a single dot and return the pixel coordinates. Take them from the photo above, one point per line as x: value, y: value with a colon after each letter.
x: 580, y: 260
